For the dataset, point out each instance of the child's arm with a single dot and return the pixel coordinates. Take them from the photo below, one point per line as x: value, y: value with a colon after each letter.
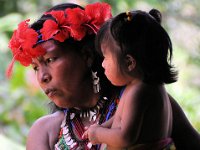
x: 89, y: 133
x: 128, y: 130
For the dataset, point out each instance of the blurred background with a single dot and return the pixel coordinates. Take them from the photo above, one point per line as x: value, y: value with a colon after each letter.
x: 21, y: 100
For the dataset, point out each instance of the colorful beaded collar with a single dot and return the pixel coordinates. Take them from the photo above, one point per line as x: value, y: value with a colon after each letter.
x: 100, y: 113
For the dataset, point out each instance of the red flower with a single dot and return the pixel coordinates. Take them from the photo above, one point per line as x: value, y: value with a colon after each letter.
x: 75, y: 22
x: 77, y: 18
x: 38, y: 50
x: 98, y: 13
x: 58, y: 30
x: 22, y: 42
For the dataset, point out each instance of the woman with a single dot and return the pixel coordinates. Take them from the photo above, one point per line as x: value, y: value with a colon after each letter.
x: 60, y: 47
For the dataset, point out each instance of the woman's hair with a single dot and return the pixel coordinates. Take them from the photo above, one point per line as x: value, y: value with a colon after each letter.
x: 140, y: 35
x: 86, y: 44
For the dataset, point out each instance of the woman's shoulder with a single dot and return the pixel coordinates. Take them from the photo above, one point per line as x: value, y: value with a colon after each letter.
x: 48, y: 120
x: 45, y: 130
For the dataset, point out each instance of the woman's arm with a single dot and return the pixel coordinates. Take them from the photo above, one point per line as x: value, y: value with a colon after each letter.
x: 44, y: 132
x: 183, y: 133
x: 38, y: 136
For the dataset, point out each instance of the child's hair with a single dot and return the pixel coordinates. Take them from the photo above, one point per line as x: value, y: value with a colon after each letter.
x: 140, y: 35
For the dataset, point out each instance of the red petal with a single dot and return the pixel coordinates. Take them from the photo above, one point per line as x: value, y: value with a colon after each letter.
x: 99, y: 13
x: 10, y: 68
x: 78, y: 32
x: 24, y: 58
x: 62, y: 36
x: 59, y: 16
x: 30, y: 38
x: 23, y: 25
x: 37, y: 51
x: 50, y: 28
x: 14, y: 42
x: 76, y: 16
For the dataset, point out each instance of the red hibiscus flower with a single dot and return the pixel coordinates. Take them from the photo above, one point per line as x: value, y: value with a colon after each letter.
x: 38, y: 50
x: 21, y: 44
x: 58, y: 30
x: 98, y: 13
x: 22, y: 41
x: 77, y: 18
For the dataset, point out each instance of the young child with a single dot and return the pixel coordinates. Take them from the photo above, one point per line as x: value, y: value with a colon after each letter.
x: 137, y: 55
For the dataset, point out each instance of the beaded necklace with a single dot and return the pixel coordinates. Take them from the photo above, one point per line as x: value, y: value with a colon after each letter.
x: 72, y: 124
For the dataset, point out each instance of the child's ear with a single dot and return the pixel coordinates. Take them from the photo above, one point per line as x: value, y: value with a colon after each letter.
x: 130, y: 62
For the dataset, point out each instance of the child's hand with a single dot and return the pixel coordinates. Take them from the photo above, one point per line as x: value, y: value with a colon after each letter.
x: 90, y: 134
x: 85, y: 134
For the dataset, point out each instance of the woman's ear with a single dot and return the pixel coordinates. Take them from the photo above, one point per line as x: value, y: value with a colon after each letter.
x: 130, y: 62
x: 88, y: 57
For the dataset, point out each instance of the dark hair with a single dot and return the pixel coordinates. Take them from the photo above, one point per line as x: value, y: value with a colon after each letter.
x: 140, y: 34
x: 87, y: 43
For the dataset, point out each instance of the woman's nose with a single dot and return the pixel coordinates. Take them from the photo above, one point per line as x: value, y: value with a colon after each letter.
x: 45, y: 78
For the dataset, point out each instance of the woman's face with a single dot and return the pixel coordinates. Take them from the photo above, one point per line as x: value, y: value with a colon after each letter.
x: 60, y: 72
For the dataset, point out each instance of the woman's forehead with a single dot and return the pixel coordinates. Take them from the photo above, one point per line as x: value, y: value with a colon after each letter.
x: 49, y: 46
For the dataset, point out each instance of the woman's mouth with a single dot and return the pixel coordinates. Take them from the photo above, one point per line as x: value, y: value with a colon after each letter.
x: 50, y: 92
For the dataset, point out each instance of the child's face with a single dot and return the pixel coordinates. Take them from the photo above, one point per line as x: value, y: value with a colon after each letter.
x: 110, y: 65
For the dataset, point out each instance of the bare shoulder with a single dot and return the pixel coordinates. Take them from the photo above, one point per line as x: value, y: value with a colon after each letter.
x: 44, y: 132
x: 135, y: 92
x: 144, y: 95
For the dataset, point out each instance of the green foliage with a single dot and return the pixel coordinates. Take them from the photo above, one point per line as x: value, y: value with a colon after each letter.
x: 8, y: 144
x: 21, y: 104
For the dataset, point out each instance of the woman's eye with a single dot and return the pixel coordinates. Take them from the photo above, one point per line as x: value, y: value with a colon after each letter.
x: 35, y: 68
x: 49, y: 60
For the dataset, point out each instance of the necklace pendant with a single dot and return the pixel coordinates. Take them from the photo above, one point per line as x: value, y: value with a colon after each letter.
x: 88, y: 113
x: 72, y: 115
x: 98, y: 107
x: 73, y: 145
x: 66, y: 135
x: 81, y: 114
x: 92, y: 114
x: 89, y: 145
x: 65, y: 130
x: 68, y: 138
x: 84, y: 114
x: 94, y: 117
x: 105, y: 98
x: 63, y: 122
x: 69, y: 143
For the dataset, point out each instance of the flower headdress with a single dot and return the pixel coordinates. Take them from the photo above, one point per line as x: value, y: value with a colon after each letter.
x: 69, y: 23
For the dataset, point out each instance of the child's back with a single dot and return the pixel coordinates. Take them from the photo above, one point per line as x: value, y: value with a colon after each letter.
x: 148, y: 110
